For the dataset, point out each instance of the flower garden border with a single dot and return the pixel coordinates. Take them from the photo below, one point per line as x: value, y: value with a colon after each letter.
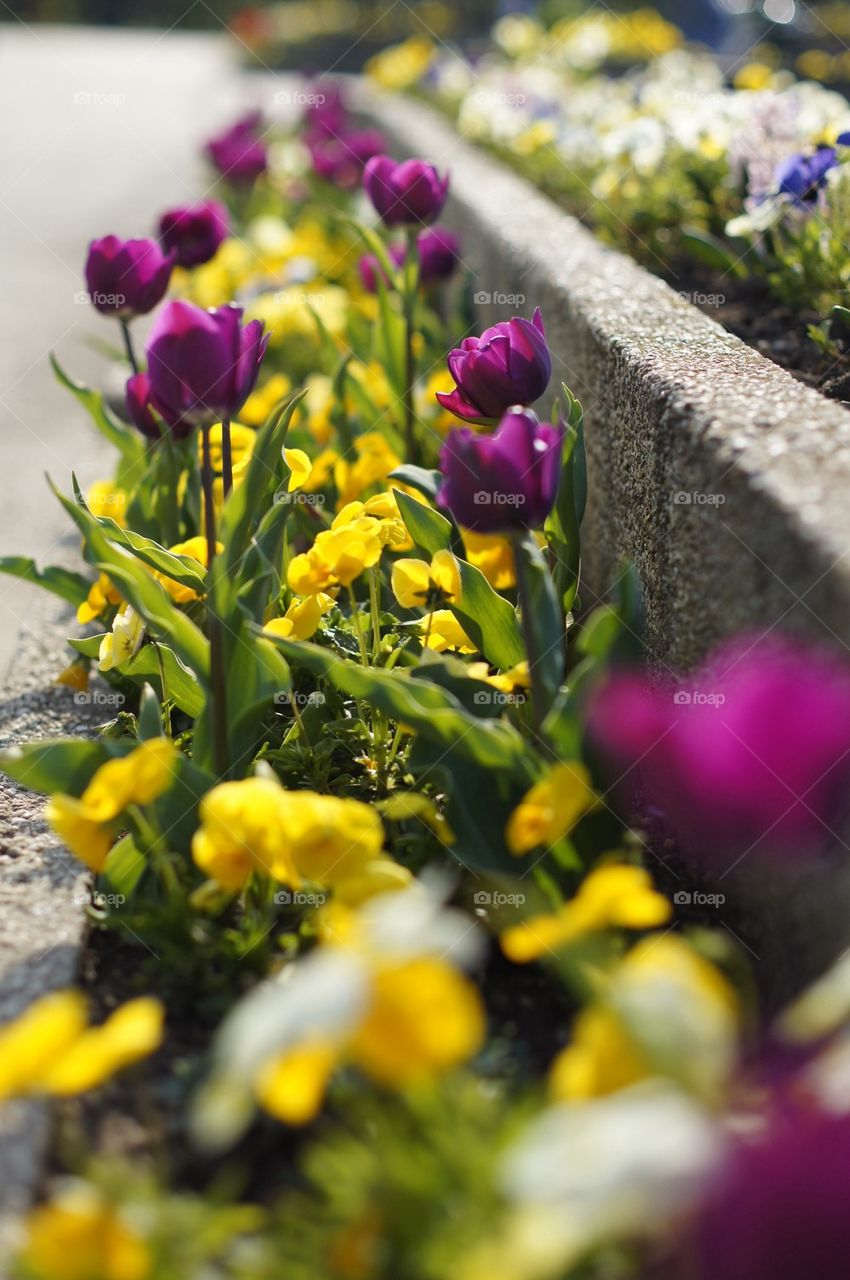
x: 720, y: 475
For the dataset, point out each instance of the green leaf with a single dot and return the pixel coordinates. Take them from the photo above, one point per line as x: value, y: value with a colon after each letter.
x: 69, y: 586
x: 542, y: 614
x: 712, y: 252
x: 61, y: 764
x: 183, y: 569
x: 422, y: 479
x: 155, y: 661
x: 433, y: 712
x: 564, y: 523
x: 488, y: 619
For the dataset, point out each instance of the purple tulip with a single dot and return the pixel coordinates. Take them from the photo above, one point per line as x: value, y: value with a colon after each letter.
x: 752, y: 755
x: 194, y: 232
x: 439, y: 254
x: 405, y: 194
x: 326, y: 115
x: 127, y: 278
x: 504, y: 482
x: 777, y: 1209
x: 802, y: 176
x: 342, y: 159
x: 509, y: 364
x: 203, y: 364
x: 237, y: 153
x: 139, y: 402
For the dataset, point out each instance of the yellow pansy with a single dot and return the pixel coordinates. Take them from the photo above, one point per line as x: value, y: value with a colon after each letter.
x: 429, y: 407
x: 441, y: 630
x: 493, y: 555
x: 101, y: 595
x: 416, y: 584
x: 422, y: 1018
x: 194, y: 549
x: 261, y: 403
x: 302, y: 618
x: 75, y: 676
x: 337, y: 557
x: 121, y: 643
x: 550, y: 809
x: 106, y: 499
x: 374, y: 461
x: 242, y: 440
x: 612, y: 896
x: 78, y: 1235
x: 87, y: 825
x: 257, y: 826
x: 51, y: 1049
x: 664, y: 1010
x: 383, y: 509
x: 300, y: 468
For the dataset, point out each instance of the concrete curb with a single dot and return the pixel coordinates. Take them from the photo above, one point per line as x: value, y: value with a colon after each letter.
x: 720, y: 475
x: 42, y: 922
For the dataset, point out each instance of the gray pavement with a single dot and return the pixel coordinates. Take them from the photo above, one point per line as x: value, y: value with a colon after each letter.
x: 101, y: 131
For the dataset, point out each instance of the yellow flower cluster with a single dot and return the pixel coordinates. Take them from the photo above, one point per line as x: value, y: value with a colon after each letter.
x: 353, y: 544
x: 256, y: 827
x: 88, y: 825
x: 51, y: 1049
x: 78, y: 1235
x: 550, y: 810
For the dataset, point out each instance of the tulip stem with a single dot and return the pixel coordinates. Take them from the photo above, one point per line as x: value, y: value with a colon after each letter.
x: 218, y: 692
x: 128, y: 346
x: 410, y: 293
x: 526, y: 609
x: 226, y: 457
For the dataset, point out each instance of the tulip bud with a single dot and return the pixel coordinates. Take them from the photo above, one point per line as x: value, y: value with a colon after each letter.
x: 203, y: 365
x: 194, y: 232
x: 238, y: 154
x: 505, y: 482
x: 127, y: 278
x: 405, y: 194
x: 509, y: 364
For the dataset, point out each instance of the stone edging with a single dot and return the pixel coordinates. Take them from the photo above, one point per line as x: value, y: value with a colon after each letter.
x: 724, y: 478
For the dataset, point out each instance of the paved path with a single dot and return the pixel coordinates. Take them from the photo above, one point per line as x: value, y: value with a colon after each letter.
x: 101, y: 131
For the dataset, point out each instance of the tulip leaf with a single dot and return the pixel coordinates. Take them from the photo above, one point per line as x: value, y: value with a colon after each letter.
x: 486, y: 617
x: 69, y: 586
x: 183, y: 569
x: 422, y: 479
x: 61, y: 764
x: 162, y: 618
x: 542, y: 615
x: 564, y: 523
x: 430, y: 710
x: 249, y: 500
x: 707, y: 249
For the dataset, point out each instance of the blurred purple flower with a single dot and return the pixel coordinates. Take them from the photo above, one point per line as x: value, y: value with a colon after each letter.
x: 405, y: 194
x: 139, y: 410
x: 802, y: 176
x: 752, y: 755
x: 341, y: 160
x: 777, y: 1209
x: 127, y: 278
x: 194, y: 232
x: 504, y: 482
x: 439, y: 254
x: 509, y: 364
x: 237, y: 153
x: 202, y: 365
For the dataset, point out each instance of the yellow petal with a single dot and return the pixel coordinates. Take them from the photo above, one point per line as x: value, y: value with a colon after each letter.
x: 33, y: 1041
x: 291, y: 1087
x: 133, y: 1032
x: 300, y: 467
x: 411, y: 583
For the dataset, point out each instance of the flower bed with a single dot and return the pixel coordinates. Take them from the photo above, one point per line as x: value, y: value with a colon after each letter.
x: 736, y: 194
x: 409, y: 952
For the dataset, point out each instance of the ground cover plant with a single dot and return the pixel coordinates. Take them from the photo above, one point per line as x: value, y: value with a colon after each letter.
x: 409, y: 955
